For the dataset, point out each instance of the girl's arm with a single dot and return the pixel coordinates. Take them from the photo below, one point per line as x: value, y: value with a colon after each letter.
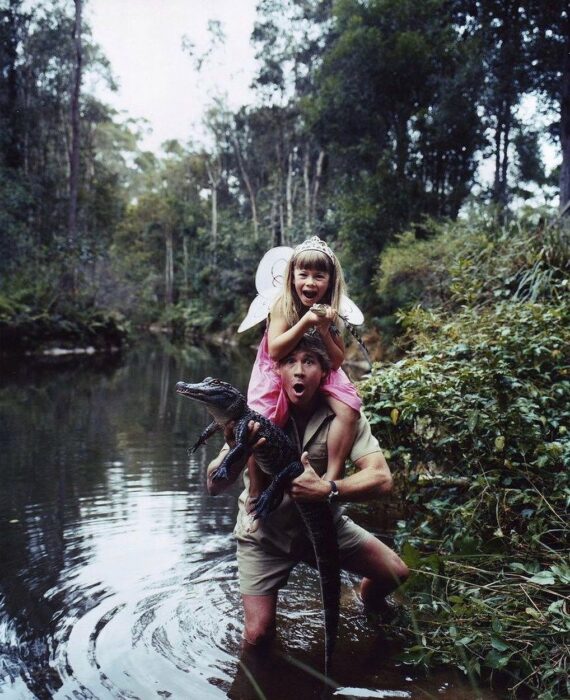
x: 281, y: 339
x: 334, y: 346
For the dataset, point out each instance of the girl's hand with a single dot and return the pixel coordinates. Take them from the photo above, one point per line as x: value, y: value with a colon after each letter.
x: 312, y: 319
x: 323, y: 325
x: 325, y: 316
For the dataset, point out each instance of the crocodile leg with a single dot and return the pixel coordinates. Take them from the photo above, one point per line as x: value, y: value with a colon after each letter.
x: 272, y: 496
x: 208, y: 432
x: 237, y: 454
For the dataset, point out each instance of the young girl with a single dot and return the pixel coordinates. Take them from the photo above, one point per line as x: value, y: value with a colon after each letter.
x: 313, y: 276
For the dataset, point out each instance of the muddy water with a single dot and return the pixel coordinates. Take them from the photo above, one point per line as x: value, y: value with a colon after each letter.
x: 117, y: 571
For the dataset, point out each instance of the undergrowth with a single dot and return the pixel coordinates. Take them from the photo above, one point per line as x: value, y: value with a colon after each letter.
x: 475, y: 420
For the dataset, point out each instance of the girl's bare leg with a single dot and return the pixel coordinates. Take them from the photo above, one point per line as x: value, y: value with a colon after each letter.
x: 341, y: 437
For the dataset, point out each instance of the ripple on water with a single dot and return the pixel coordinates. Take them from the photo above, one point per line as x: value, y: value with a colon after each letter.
x: 174, y: 634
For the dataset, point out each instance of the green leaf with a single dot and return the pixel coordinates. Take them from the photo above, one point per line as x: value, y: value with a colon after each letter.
x: 472, y: 419
x: 543, y: 578
x: 561, y: 572
x: 495, y: 659
x: 500, y: 443
x: 498, y: 644
x: 411, y: 555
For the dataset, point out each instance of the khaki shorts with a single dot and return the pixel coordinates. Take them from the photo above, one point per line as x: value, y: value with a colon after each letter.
x: 263, y: 571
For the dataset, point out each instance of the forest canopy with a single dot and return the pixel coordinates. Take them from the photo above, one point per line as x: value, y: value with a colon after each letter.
x: 370, y: 117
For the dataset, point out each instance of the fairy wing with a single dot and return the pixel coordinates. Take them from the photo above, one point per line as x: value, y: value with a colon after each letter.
x: 268, y: 282
x: 258, y: 309
x: 271, y: 268
x: 350, y: 311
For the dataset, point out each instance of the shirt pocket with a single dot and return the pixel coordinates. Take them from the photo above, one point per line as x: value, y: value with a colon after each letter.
x: 318, y: 456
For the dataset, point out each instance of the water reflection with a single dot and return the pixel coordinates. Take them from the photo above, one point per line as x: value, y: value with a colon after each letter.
x: 118, y: 575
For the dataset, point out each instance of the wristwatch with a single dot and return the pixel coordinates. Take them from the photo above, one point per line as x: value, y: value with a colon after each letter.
x: 333, y: 495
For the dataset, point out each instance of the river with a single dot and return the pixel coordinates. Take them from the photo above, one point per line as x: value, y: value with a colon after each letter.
x: 117, y: 572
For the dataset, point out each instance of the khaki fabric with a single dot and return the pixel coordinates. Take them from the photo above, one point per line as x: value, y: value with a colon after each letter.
x: 267, y: 555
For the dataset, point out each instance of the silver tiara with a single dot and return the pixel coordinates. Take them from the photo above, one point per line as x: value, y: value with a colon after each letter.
x: 315, y: 243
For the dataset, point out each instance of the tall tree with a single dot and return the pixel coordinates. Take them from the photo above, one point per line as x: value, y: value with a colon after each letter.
x: 549, y: 67
x: 395, y: 107
x: 75, y: 146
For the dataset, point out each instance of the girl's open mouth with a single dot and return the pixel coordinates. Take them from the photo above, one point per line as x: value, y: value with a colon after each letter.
x: 310, y: 294
x: 298, y: 388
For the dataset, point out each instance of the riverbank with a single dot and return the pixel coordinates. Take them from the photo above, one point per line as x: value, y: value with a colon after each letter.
x: 25, y: 332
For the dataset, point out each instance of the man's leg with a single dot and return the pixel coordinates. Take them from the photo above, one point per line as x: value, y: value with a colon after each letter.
x: 382, y: 571
x: 259, y: 614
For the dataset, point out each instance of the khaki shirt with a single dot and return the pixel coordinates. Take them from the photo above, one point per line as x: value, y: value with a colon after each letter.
x: 283, y: 529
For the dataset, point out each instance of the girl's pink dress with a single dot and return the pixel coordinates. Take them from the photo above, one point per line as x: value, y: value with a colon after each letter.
x: 266, y: 396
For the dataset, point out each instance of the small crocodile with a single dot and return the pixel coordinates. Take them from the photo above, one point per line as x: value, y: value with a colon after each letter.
x: 278, y: 457
x: 321, y: 310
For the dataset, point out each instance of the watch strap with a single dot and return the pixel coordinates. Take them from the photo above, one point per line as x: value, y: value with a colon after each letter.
x: 334, y: 491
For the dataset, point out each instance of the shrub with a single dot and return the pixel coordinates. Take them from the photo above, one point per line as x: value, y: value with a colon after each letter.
x: 475, y: 421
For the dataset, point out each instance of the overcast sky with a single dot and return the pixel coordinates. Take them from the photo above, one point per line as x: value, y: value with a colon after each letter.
x: 157, y: 80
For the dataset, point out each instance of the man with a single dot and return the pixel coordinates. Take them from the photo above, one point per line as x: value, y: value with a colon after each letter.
x: 268, y: 551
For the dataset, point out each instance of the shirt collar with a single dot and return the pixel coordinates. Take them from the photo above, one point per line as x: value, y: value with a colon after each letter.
x: 316, y: 421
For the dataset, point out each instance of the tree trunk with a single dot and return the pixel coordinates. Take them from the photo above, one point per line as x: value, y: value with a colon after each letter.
x: 317, y: 183
x: 215, y: 217
x: 289, y: 192
x: 565, y: 128
x: 279, y: 187
x: 502, y: 141
x: 13, y: 152
x: 498, y: 151
x: 75, y: 136
x: 169, y: 268
x: 307, y: 181
x: 214, y: 178
x: 185, y: 272
x: 505, y: 159
x: 249, y: 187
x: 275, y: 229
x: 281, y: 221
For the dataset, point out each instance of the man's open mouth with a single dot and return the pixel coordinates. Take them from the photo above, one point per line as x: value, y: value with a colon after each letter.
x: 298, y: 388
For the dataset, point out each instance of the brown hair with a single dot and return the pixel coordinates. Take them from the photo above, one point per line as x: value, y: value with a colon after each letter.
x: 311, y: 343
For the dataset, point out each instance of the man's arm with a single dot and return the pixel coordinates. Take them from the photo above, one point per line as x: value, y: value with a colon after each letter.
x: 372, y: 479
x: 216, y: 487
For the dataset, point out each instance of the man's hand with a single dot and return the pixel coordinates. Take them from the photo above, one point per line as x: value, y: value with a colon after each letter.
x: 309, y: 486
x: 216, y: 486
x: 253, y: 428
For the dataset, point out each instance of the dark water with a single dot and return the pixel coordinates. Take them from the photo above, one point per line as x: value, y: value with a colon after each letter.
x: 117, y: 572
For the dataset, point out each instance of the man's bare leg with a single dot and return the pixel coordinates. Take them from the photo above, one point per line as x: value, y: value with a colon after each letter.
x: 259, y: 619
x: 382, y: 571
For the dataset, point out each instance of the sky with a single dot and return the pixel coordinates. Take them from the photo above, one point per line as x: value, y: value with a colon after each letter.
x: 157, y: 79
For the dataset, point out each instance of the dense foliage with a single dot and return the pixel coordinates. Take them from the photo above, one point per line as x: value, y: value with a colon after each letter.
x: 476, y: 421
x: 369, y: 117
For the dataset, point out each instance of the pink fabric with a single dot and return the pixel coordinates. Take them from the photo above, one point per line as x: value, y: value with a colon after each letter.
x: 266, y: 396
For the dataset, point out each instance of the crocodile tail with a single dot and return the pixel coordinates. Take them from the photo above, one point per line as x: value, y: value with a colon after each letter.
x: 322, y: 531
x: 356, y: 335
